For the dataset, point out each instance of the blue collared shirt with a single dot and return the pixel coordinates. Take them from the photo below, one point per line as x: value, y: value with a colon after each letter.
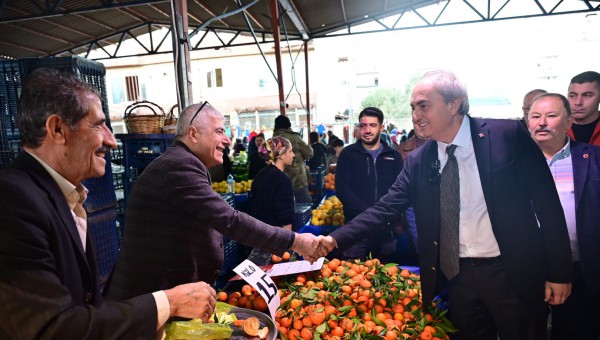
x: 561, y: 167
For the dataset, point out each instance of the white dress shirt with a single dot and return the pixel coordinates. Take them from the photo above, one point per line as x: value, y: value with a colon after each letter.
x: 77, y: 194
x: 476, y: 237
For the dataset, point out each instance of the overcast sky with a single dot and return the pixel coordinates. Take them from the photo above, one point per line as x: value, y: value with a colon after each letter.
x: 502, y: 58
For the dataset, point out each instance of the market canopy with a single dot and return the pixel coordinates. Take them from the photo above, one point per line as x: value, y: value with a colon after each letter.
x: 38, y: 28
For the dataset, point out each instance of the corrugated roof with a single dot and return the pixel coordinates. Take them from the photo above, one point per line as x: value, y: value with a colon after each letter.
x: 41, y: 28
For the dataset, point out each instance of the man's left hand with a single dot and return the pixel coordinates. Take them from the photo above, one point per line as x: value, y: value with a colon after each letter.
x: 557, y: 293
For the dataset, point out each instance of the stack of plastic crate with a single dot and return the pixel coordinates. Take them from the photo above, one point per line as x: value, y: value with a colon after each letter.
x: 10, y: 88
x: 302, y: 212
x: 316, y: 185
x: 138, y: 151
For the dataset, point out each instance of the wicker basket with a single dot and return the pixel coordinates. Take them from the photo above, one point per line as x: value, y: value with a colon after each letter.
x: 170, y: 125
x: 144, y: 123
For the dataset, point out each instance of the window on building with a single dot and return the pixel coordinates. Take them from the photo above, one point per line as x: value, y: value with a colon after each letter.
x: 214, y: 78
x: 117, y: 90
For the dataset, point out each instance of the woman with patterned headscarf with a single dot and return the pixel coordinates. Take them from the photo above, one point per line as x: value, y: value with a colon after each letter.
x: 272, y: 193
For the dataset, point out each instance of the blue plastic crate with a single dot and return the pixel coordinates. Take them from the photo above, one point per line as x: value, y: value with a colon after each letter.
x: 229, y: 198
x: 234, y: 254
x: 103, y: 233
x: 317, y: 230
x: 118, y: 178
x: 90, y: 71
x: 7, y: 157
x: 101, y: 193
x: 10, y: 89
x: 302, y: 214
x: 140, y: 150
x: 116, y: 154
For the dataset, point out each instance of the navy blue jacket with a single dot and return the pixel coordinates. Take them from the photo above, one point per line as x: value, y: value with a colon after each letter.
x: 586, y: 176
x: 360, y: 181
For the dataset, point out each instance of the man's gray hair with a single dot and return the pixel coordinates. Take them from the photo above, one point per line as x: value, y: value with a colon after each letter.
x: 200, y: 121
x: 448, y: 85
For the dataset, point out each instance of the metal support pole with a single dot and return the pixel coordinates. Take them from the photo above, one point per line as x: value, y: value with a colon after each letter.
x: 275, y: 23
x: 181, y: 52
x: 307, y: 85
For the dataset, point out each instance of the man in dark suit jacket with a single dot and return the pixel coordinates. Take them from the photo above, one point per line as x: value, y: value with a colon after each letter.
x: 175, y: 221
x: 512, y: 241
x: 576, y: 170
x: 48, y: 278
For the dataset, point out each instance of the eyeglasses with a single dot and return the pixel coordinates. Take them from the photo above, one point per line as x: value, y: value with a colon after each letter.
x: 199, y: 109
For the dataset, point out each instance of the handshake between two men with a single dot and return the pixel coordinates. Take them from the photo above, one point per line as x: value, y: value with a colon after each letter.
x: 313, y: 247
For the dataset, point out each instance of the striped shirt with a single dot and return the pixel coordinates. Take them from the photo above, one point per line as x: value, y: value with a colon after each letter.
x: 561, y: 167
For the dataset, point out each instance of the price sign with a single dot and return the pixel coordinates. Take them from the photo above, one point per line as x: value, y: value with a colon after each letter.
x: 258, y: 279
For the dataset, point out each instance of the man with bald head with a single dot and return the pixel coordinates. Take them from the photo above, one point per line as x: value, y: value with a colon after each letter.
x: 575, y: 167
x: 175, y: 221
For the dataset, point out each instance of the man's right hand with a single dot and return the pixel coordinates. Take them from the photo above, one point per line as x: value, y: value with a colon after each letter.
x: 192, y: 300
x: 312, y: 247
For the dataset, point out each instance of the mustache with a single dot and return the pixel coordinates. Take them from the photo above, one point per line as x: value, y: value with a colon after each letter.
x: 103, y: 149
x: 542, y: 129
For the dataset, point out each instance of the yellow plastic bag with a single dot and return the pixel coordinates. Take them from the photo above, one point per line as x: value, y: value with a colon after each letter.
x: 197, y: 330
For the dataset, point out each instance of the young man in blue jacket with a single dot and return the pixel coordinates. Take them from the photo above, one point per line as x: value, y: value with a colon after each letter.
x: 365, y: 171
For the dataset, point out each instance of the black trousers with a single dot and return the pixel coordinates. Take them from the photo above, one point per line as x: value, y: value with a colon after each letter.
x: 484, y: 305
x: 579, y: 316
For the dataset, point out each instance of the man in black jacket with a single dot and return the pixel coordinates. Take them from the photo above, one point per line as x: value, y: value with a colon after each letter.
x: 365, y: 171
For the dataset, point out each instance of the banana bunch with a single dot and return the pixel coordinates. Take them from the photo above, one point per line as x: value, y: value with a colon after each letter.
x: 330, y: 212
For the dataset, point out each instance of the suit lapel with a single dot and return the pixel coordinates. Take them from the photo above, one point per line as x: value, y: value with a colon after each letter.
x: 431, y: 191
x: 581, y: 165
x: 55, y: 195
x: 482, y: 146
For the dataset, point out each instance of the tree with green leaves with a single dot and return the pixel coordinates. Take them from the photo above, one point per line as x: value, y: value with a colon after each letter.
x: 394, y: 102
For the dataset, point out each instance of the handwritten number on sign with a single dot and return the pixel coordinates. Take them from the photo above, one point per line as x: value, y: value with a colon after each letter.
x: 268, y: 285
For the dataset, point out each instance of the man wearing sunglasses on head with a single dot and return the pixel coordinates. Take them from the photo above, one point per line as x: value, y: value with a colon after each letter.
x: 175, y: 221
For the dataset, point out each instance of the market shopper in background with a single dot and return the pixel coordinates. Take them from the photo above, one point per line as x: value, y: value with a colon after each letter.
x: 256, y: 162
x: 48, y: 275
x: 491, y: 227
x: 319, y: 158
x: 575, y: 167
x: 175, y: 221
x: 584, y: 99
x: 364, y: 173
x: 298, y: 172
x: 330, y: 139
x: 338, y: 146
x: 528, y: 100
x: 272, y: 195
x: 412, y: 142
